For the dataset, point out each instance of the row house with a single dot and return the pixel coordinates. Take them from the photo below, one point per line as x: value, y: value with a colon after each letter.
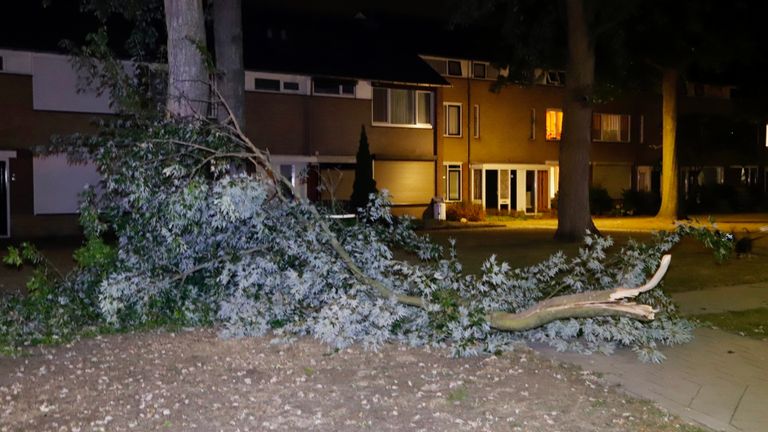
x: 437, y: 125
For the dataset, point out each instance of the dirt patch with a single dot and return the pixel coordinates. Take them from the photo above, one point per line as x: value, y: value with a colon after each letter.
x: 193, y: 381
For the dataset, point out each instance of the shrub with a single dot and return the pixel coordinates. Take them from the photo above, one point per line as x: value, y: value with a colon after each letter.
x: 599, y: 201
x: 472, y: 212
x: 640, y: 202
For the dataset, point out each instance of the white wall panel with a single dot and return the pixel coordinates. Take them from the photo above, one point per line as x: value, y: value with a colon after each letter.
x: 55, y: 84
x: 57, y: 184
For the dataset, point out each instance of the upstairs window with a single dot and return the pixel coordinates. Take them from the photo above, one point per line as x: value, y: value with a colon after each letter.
x: 402, y: 107
x: 454, y: 68
x: 554, y: 124
x: 266, y: 84
x: 610, y: 127
x: 452, y: 119
x: 2, y: 65
x: 479, y: 70
x: 333, y: 87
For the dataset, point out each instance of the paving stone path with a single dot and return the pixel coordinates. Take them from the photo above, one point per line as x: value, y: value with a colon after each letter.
x: 720, y: 380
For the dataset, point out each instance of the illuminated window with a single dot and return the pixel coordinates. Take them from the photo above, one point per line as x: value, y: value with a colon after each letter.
x: 554, y: 124
x: 452, y: 119
x: 610, y: 127
x: 402, y: 107
x: 453, y: 182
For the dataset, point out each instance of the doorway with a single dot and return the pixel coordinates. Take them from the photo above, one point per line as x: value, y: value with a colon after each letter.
x: 4, y: 225
x: 542, y: 191
x: 491, y: 189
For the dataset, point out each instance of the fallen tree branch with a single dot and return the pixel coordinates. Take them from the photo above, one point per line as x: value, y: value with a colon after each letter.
x: 588, y: 304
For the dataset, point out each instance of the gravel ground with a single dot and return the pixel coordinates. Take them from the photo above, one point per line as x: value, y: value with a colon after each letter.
x: 193, y: 381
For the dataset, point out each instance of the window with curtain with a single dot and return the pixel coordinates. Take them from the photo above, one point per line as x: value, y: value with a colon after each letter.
x: 452, y: 119
x: 554, y: 124
x: 477, y: 185
x: 610, y: 127
x: 453, y: 182
x: 401, y: 107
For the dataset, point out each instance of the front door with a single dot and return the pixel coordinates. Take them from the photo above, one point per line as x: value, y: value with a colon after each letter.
x: 491, y: 189
x: 4, y: 199
x: 542, y: 191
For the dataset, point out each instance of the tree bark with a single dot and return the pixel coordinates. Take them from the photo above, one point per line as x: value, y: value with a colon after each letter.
x: 573, y: 216
x: 228, y: 42
x: 669, y: 174
x: 188, y: 89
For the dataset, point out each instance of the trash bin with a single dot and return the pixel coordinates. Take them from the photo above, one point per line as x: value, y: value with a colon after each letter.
x: 438, y: 208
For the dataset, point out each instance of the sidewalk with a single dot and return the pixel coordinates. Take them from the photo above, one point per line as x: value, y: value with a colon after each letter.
x: 722, y: 299
x: 719, y: 380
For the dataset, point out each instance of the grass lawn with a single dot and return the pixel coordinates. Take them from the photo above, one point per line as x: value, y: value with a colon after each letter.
x: 693, y: 266
x: 752, y: 323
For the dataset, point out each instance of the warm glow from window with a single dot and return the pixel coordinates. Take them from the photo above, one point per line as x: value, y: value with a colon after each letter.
x: 554, y: 124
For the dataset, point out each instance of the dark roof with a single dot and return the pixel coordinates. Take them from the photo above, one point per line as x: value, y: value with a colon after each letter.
x: 346, y: 48
x: 329, y: 46
x: 32, y: 26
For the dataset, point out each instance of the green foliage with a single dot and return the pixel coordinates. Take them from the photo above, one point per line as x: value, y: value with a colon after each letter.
x: 364, y: 184
x: 600, y: 202
x: 640, y: 202
x: 197, y: 246
x: 470, y: 211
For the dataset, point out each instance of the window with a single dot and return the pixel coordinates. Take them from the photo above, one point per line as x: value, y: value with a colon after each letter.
x: 266, y: 84
x: 452, y: 119
x: 454, y: 68
x: 334, y: 87
x: 476, y: 121
x: 290, y: 85
x: 479, y: 70
x: 642, y: 129
x: 554, y: 124
x: 532, y: 132
x: 453, y: 182
x: 2, y: 65
x: 402, y: 107
x: 610, y: 127
x: 477, y: 184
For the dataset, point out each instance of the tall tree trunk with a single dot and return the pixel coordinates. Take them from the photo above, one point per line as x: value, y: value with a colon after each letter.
x: 228, y: 41
x: 573, y: 217
x: 669, y: 174
x: 188, y: 90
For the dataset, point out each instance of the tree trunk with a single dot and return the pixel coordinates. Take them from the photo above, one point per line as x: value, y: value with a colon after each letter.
x: 188, y: 90
x: 573, y: 216
x: 669, y: 174
x: 228, y: 41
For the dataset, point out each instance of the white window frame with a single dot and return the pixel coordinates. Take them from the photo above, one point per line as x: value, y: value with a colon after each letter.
x: 447, y: 168
x: 341, y: 93
x: 448, y: 68
x: 487, y: 67
x: 415, y: 125
x: 446, y: 106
